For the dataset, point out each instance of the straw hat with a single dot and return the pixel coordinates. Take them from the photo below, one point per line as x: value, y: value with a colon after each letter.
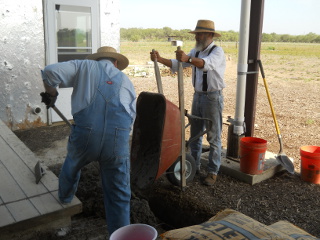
x: 110, y: 52
x: 206, y: 26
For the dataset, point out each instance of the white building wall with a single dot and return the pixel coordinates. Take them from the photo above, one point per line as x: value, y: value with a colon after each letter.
x: 22, y: 56
x: 110, y: 23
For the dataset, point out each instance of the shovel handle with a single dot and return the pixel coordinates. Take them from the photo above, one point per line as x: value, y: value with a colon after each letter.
x: 269, y: 99
x: 62, y: 116
x: 261, y: 68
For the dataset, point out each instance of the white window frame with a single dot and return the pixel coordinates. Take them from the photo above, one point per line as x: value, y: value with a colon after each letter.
x: 50, y: 29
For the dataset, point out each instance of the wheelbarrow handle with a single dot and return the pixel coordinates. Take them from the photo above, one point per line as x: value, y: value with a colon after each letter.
x: 157, y: 73
x: 182, y: 116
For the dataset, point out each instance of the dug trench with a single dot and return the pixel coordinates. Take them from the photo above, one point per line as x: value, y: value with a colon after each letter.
x: 165, y: 206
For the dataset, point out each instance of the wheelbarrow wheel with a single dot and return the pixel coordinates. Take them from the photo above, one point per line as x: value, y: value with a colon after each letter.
x: 173, y: 172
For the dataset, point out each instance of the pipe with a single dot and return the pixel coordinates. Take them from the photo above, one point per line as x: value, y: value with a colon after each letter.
x: 239, y: 124
x: 36, y: 110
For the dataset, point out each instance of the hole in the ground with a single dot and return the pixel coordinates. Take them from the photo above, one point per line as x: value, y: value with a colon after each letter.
x: 90, y: 194
x: 156, y: 207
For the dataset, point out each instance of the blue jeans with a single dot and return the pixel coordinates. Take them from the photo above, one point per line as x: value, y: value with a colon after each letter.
x: 114, y: 172
x: 101, y: 133
x: 207, y: 105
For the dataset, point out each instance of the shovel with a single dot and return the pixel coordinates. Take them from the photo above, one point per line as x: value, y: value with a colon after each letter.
x: 61, y: 115
x: 281, y: 157
x: 38, y: 169
x: 47, y: 101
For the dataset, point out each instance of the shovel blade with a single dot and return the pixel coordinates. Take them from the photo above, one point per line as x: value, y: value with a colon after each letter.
x: 285, y: 162
x: 39, y: 172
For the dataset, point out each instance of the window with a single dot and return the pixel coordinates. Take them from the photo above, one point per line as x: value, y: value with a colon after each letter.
x: 72, y: 29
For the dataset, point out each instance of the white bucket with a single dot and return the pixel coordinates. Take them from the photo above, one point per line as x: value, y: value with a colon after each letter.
x: 135, y: 232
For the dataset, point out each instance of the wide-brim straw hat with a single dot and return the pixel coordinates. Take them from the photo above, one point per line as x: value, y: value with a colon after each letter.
x: 110, y: 52
x: 205, y: 26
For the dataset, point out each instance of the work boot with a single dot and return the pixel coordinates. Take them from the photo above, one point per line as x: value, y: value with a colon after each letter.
x: 198, y: 171
x: 210, y: 179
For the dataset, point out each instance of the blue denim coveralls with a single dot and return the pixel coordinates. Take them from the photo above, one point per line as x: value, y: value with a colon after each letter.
x: 101, y: 133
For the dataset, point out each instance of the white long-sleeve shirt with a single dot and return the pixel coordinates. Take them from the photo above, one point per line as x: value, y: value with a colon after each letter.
x: 214, y: 64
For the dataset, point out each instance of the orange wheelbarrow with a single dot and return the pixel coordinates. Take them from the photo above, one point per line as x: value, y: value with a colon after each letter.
x: 157, y: 139
x: 156, y: 142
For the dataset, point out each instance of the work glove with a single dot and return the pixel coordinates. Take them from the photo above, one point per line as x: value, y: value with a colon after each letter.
x: 48, y: 100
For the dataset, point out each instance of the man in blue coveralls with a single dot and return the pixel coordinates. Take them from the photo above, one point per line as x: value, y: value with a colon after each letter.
x: 103, y: 106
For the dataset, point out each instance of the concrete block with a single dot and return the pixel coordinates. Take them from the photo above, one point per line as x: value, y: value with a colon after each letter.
x: 231, y: 167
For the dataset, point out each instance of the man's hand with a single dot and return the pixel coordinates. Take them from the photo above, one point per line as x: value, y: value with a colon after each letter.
x: 181, y: 56
x: 154, y: 55
x: 48, y: 100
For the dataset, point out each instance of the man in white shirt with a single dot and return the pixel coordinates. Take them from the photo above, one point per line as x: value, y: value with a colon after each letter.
x: 208, y: 64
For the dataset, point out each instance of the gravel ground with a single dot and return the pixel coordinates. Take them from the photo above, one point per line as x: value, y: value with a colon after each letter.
x: 295, y: 95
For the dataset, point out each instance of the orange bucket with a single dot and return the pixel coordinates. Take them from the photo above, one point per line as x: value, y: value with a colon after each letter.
x: 310, y: 164
x: 252, y: 155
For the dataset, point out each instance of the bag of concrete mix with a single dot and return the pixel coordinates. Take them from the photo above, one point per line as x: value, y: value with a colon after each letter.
x: 227, y: 224
x: 292, y: 230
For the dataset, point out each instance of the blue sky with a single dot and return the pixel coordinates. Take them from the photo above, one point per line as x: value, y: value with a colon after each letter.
x: 294, y: 17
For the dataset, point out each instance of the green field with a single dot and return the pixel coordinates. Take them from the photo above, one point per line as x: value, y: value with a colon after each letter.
x: 138, y: 52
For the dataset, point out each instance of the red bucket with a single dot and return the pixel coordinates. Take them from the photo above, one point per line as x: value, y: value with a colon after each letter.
x: 310, y: 164
x: 252, y: 155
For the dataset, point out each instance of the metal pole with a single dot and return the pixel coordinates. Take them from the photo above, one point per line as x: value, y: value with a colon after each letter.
x: 256, y: 23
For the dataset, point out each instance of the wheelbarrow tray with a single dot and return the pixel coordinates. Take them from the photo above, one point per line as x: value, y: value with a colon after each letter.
x: 156, y: 138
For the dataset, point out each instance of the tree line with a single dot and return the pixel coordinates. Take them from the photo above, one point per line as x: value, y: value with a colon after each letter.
x: 164, y: 34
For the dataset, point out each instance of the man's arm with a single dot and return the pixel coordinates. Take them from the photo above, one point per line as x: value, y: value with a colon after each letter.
x: 154, y: 55
x: 59, y: 74
x: 51, y: 90
x: 165, y: 61
x: 182, y: 57
x: 53, y: 75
